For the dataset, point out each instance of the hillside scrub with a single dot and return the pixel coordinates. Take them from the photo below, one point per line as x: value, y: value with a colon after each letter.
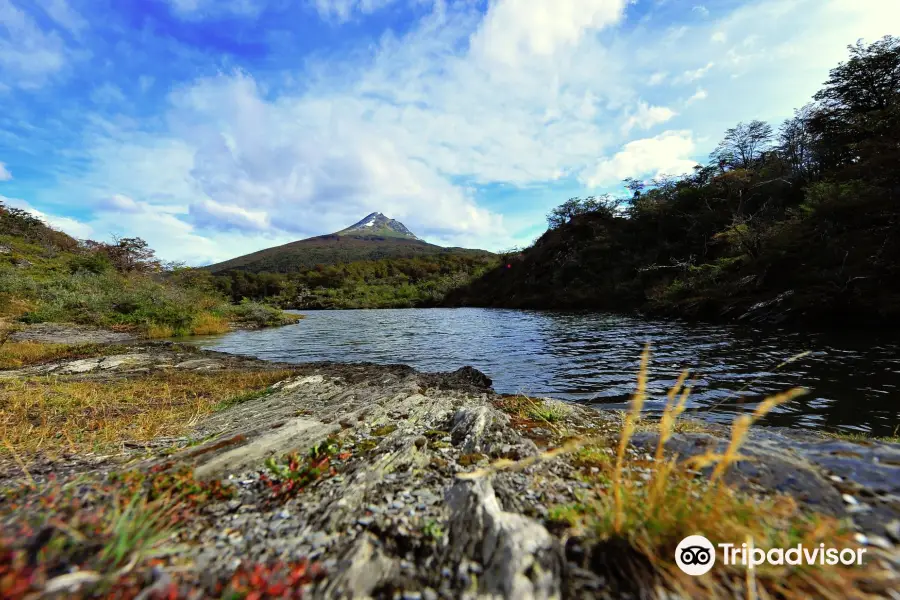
x: 383, y: 283
x: 798, y: 224
x: 48, y: 277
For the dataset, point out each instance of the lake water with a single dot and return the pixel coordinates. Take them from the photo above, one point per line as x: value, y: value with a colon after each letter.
x: 592, y: 358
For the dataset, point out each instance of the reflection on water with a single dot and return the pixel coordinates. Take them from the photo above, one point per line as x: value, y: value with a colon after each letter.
x: 592, y: 358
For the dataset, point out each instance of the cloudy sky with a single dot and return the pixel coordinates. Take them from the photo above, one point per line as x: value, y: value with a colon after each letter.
x: 213, y: 128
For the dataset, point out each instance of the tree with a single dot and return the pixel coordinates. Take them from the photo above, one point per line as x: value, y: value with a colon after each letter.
x: 858, y: 117
x: 743, y: 145
x: 131, y: 255
x: 573, y: 207
x: 869, y: 81
x: 797, y: 143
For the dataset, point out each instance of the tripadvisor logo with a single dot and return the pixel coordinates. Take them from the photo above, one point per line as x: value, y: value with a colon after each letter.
x: 696, y: 555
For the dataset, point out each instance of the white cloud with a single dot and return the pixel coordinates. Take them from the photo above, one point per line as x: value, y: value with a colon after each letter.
x: 121, y: 203
x: 695, y: 74
x: 514, y: 30
x: 342, y: 11
x: 646, y: 116
x: 5, y: 174
x: 657, y: 78
x: 199, y: 8
x: 64, y: 15
x: 145, y: 82
x: 28, y: 55
x: 700, y: 94
x: 228, y: 216
x: 719, y: 37
x: 701, y: 10
x: 666, y: 154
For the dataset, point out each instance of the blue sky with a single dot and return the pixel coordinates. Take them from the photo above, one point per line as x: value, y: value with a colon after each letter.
x: 213, y: 128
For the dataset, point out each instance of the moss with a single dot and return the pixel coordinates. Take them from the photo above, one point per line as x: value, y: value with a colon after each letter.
x: 438, y: 445
x: 366, y: 445
x: 436, y: 434
x: 384, y: 430
x: 467, y: 460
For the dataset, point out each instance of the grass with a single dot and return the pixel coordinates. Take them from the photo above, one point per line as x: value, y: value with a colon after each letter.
x: 652, y: 502
x: 109, y: 534
x: 544, y: 410
x: 84, y: 531
x: 55, y: 415
x: 15, y: 355
x: 864, y: 437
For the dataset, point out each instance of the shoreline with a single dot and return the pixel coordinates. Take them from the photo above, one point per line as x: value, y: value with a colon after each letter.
x: 379, y: 502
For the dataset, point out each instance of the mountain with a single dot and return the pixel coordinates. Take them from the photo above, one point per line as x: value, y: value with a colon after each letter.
x: 378, y: 225
x: 375, y: 237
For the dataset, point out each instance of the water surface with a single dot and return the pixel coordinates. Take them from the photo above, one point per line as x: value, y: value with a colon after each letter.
x: 592, y: 358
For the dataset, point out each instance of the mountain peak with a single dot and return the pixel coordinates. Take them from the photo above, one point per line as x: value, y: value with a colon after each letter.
x: 376, y: 224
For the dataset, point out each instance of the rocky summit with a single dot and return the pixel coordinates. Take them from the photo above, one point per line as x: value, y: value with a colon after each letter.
x: 376, y: 224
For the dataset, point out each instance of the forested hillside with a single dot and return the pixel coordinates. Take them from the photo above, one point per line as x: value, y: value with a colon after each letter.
x: 385, y: 283
x: 798, y: 222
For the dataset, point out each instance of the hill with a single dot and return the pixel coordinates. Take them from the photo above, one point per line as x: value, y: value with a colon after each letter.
x: 801, y: 225
x: 46, y: 276
x: 374, y: 238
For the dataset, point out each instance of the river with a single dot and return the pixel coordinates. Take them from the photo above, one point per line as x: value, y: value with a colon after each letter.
x: 592, y: 358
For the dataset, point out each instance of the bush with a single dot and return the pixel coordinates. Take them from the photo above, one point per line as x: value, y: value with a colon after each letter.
x: 260, y: 315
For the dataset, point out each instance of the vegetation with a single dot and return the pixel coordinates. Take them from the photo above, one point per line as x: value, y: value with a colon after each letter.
x: 55, y: 415
x: 47, y: 276
x: 639, y: 507
x: 15, y: 355
x: 796, y: 224
x: 108, y: 536
x: 384, y: 283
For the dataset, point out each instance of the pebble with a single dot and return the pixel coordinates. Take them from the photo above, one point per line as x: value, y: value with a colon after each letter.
x: 365, y: 521
x: 284, y: 514
x: 880, y: 542
x: 893, y: 530
x: 850, y: 499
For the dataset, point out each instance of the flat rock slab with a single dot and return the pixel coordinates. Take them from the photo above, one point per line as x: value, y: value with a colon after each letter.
x: 54, y: 333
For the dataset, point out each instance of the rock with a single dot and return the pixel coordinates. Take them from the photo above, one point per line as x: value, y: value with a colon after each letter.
x: 521, y: 559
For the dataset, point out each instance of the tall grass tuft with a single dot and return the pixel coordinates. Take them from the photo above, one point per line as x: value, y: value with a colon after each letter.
x: 631, y: 418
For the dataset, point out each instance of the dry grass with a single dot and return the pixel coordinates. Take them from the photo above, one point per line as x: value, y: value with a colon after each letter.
x: 52, y: 415
x: 208, y: 324
x: 653, y: 502
x: 15, y: 355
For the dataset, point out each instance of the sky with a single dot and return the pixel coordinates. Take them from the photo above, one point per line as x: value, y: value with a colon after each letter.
x: 214, y: 128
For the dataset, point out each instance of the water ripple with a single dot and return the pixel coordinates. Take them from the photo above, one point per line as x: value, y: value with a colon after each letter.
x: 592, y: 358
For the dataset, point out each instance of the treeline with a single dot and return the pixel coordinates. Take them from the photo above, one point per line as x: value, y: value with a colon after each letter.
x: 795, y: 222
x: 385, y: 283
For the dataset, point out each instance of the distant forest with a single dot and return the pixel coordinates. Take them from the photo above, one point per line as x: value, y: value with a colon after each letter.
x: 794, y: 222
x: 385, y: 283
